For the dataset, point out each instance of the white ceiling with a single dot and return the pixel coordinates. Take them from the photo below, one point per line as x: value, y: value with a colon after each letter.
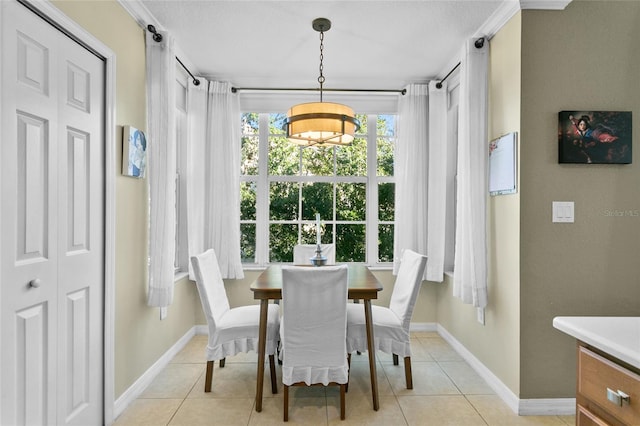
x: 371, y: 45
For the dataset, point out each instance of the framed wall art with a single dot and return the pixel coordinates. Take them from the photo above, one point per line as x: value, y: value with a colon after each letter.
x: 134, y: 152
x: 594, y: 137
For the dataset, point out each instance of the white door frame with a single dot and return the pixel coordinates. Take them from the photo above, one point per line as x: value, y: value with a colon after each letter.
x: 71, y: 28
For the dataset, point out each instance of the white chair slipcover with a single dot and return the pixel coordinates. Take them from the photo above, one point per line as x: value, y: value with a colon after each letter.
x: 302, y: 253
x: 231, y: 330
x: 391, y: 325
x: 313, y: 328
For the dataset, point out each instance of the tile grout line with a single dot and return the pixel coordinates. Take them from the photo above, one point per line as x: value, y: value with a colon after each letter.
x: 185, y: 397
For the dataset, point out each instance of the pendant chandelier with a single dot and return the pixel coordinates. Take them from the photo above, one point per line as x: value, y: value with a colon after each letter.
x: 321, y: 123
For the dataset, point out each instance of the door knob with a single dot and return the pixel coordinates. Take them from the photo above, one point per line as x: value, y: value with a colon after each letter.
x: 35, y: 283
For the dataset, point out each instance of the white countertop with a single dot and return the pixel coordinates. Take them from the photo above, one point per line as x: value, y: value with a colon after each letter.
x: 617, y: 336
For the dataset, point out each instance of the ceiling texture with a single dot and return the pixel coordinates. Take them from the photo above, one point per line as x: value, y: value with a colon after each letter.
x: 372, y: 45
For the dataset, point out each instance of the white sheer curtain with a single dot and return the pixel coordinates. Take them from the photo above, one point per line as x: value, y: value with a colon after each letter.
x: 196, y: 169
x: 420, y: 170
x: 411, y: 172
x: 161, y: 169
x: 437, y: 197
x: 213, y: 193
x: 470, y: 264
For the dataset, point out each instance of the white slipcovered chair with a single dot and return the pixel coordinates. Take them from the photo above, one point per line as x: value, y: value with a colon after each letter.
x: 391, y: 325
x: 302, y: 253
x: 231, y: 330
x: 313, y: 329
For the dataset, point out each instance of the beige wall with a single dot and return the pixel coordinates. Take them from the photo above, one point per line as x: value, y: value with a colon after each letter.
x: 140, y: 337
x: 584, y: 58
x: 496, y: 344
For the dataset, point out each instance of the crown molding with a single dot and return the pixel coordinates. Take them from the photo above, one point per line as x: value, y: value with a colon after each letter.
x: 498, y: 19
x: 509, y: 8
x: 544, y: 4
x: 505, y: 12
x: 140, y: 13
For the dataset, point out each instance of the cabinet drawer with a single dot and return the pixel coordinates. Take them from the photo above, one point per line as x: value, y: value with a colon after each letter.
x: 597, y: 375
x: 587, y: 418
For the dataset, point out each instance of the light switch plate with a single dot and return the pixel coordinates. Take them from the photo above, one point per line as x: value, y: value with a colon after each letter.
x: 563, y: 211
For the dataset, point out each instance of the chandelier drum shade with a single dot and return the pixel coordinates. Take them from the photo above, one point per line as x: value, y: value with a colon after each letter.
x: 321, y: 123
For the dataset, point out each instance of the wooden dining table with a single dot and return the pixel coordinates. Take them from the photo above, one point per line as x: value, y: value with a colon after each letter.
x: 363, y: 285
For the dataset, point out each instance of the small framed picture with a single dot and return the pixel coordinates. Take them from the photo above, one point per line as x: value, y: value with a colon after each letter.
x: 134, y: 152
x: 594, y: 137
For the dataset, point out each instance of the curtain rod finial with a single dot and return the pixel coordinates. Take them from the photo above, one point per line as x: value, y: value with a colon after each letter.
x: 156, y: 37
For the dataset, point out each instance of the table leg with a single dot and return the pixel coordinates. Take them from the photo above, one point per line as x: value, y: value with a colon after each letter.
x: 262, y: 345
x: 372, y: 353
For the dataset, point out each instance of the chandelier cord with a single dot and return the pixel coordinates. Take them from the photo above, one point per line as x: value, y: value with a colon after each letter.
x: 321, y: 76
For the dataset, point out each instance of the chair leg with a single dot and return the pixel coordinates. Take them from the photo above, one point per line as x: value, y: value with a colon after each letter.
x: 222, y: 362
x: 286, y: 403
x: 272, y: 369
x: 346, y: 388
x: 208, y: 375
x: 395, y: 359
x: 407, y: 372
x: 343, y: 390
x: 357, y: 301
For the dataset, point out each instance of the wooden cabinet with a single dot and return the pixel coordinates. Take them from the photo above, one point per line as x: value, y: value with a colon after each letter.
x: 608, y: 390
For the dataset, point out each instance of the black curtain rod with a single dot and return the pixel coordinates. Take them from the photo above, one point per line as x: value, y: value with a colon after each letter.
x: 478, y: 44
x: 237, y: 89
x: 158, y: 38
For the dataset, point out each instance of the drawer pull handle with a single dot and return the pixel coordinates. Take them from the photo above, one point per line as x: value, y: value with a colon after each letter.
x: 618, y: 397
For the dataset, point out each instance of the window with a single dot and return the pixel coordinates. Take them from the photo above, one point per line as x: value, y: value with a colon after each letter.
x: 284, y: 186
x: 452, y: 159
x: 181, y: 261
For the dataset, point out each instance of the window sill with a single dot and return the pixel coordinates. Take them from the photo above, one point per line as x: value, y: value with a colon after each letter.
x: 179, y: 275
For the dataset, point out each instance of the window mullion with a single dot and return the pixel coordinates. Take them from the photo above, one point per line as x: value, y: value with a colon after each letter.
x: 262, y: 196
x: 372, y: 190
x: 300, y: 185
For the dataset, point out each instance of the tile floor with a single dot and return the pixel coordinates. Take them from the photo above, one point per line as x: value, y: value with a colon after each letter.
x: 446, y: 392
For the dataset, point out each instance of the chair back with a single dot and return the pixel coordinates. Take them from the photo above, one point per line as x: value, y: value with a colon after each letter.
x: 407, y: 285
x: 314, y: 324
x: 210, y: 287
x: 302, y: 253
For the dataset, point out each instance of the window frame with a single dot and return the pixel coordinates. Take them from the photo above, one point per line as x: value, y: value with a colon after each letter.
x: 453, y: 89
x: 181, y: 259
x: 263, y: 181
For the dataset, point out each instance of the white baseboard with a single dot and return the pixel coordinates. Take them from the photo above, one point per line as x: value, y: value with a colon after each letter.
x: 547, y: 407
x: 135, y: 390
x: 201, y: 329
x: 522, y: 407
x: 423, y: 326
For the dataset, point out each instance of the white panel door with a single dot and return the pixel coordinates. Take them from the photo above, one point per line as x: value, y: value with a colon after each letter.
x: 51, y: 224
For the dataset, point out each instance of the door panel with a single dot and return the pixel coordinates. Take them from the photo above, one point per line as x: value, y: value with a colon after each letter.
x: 52, y: 225
x: 31, y: 362
x: 32, y: 189
x: 80, y: 233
